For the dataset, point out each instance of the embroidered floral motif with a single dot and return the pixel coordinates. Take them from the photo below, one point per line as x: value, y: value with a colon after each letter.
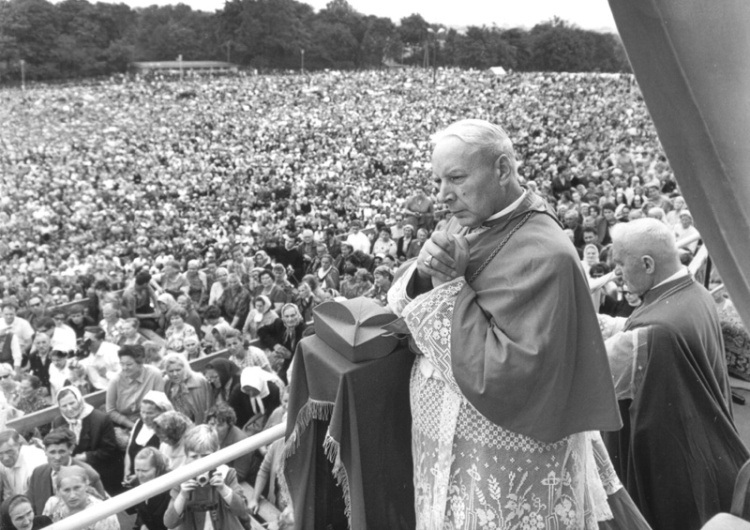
x: 471, y: 474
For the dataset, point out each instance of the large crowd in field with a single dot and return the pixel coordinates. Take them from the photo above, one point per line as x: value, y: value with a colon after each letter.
x: 218, y: 212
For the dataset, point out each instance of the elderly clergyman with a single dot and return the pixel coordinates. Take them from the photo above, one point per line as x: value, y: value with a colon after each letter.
x: 512, y: 374
x: 680, y: 452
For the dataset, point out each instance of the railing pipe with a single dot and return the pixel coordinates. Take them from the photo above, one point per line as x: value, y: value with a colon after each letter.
x: 166, y: 482
x: 698, y: 260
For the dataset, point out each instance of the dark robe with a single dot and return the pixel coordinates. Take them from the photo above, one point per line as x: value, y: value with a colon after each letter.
x: 532, y: 358
x: 679, y: 451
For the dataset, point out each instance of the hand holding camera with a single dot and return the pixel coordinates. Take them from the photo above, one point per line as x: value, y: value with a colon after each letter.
x: 187, y: 487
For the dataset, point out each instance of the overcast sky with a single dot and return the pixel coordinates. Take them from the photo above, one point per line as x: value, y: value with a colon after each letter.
x: 588, y: 14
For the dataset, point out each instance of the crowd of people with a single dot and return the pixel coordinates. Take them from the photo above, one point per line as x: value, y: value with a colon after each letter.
x: 147, y: 223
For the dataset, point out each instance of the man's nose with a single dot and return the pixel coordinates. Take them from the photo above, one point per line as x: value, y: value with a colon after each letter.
x: 444, y: 193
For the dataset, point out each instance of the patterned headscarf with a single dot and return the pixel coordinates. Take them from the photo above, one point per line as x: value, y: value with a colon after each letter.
x: 84, y: 409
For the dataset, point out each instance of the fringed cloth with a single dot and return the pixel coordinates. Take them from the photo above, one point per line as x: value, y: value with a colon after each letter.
x: 367, y: 437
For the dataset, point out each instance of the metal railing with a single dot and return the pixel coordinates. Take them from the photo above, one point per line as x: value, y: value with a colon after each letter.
x: 166, y: 482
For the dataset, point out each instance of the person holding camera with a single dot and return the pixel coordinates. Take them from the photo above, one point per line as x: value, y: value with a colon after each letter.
x: 212, y: 500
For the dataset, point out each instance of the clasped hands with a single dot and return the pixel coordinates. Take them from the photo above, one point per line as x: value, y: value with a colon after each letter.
x: 443, y: 257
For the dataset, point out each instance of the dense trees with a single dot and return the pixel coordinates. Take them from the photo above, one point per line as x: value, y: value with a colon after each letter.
x: 76, y: 38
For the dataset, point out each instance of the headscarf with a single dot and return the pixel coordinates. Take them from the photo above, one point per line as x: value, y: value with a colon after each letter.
x: 227, y: 372
x: 258, y: 378
x: 158, y: 399
x: 263, y: 257
x: 5, y: 521
x: 75, y: 422
x: 266, y: 303
x: 290, y: 334
x: 168, y: 300
x: 590, y: 245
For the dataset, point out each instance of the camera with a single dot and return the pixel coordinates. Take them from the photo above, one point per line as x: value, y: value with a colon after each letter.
x: 204, y: 478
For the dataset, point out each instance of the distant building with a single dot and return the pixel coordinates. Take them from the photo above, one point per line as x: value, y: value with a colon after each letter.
x: 173, y: 67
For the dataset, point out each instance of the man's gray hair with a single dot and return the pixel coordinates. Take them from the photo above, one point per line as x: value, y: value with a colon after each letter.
x: 490, y: 138
x: 646, y: 236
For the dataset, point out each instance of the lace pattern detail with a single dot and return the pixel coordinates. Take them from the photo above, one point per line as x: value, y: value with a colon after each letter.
x: 434, y: 339
x: 470, y: 473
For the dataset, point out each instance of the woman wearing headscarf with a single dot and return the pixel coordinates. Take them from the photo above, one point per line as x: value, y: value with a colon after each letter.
x: 72, y: 496
x: 166, y: 303
x: 224, y: 377
x: 188, y: 391
x: 153, y: 404
x: 590, y: 257
x: 261, y: 314
x: 96, y: 443
x: 281, y: 338
x: 262, y: 260
x: 17, y: 513
x: 260, y: 395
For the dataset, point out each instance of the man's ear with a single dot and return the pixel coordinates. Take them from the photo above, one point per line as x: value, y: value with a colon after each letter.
x: 649, y: 265
x: 503, y: 169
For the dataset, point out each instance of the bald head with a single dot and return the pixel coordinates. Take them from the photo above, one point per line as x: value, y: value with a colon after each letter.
x: 644, y: 251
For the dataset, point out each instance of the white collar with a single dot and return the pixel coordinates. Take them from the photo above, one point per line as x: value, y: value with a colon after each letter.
x: 679, y: 274
x: 512, y: 206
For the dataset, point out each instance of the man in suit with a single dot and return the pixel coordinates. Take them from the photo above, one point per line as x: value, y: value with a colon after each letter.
x: 58, y: 447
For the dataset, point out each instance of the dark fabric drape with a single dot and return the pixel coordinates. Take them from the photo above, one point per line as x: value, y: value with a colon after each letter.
x: 366, y: 409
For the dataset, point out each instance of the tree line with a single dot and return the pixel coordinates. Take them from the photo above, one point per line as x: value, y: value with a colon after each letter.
x: 75, y: 39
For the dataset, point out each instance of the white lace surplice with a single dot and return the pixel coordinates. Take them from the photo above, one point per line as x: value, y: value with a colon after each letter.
x: 470, y: 473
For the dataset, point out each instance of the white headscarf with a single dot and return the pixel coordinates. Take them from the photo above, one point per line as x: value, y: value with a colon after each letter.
x: 75, y: 422
x: 258, y: 378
